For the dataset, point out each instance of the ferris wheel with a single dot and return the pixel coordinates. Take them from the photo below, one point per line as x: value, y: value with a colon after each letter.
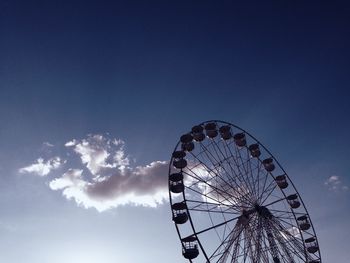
x: 231, y: 201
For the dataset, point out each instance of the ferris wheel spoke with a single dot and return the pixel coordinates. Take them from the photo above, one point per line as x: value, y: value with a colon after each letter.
x: 238, y: 246
x: 241, y: 197
x: 233, y: 207
x: 226, y: 227
x: 239, y: 175
x: 209, y: 203
x: 220, y: 192
x: 285, y: 217
x: 216, y: 226
x: 211, y: 211
x: 267, y: 192
x: 255, y: 174
x: 244, y: 254
x: 257, y: 170
x: 246, y: 173
x: 240, y: 162
x: 267, y: 251
x: 250, y: 239
x: 248, y: 244
x: 210, y: 170
x: 271, y: 240
x: 225, y: 160
x: 206, y: 182
x: 234, y: 158
x: 274, y: 202
x: 234, y: 236
x: 265, y: 248
x: 228, y: 156
x: 259, y: 241
x: 243, y: 186
x: 284, y: 220
x: 285, y: 212
x: 287, y: 230
x: 292, y: 245
x: 280, y: 228
x: 288, y: 252
x: 252, y: 244
x: 265, y: 176
x: 280, y: 245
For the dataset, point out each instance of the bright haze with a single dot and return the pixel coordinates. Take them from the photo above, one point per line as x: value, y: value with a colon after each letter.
x: 95, y: 95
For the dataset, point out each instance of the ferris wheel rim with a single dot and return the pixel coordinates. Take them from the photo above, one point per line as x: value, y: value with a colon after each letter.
x: 195, y: 233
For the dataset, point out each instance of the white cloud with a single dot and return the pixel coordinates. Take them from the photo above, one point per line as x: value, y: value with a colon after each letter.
x: 111, y: 181
x: 70, y: 178
x: 144, y: 185
x: 98, y: 153
x: 70, y: 143
x: 42, y: 168
x: 334, y: 183
x: 47, y: 144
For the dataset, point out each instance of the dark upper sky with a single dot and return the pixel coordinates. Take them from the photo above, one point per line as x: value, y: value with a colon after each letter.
x: 157, y: 66
x: 146, y: 71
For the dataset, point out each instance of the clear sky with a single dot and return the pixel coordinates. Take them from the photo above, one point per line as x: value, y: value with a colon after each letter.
x: 82, y: 79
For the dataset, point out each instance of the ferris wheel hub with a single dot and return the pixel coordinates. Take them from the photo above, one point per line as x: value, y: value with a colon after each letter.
x: 262, y: 211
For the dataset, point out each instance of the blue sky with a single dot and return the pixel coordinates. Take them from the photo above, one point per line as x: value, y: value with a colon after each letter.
x: 145, y: 72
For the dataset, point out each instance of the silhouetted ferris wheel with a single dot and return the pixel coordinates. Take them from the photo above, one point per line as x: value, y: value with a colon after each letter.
x: 231, y: 200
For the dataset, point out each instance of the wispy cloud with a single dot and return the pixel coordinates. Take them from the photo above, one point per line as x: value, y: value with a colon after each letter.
x: 334, y: 183
x: 98, y: 152
x: 105, y: 177
x: 42, y: 167
x: 47, y: 144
